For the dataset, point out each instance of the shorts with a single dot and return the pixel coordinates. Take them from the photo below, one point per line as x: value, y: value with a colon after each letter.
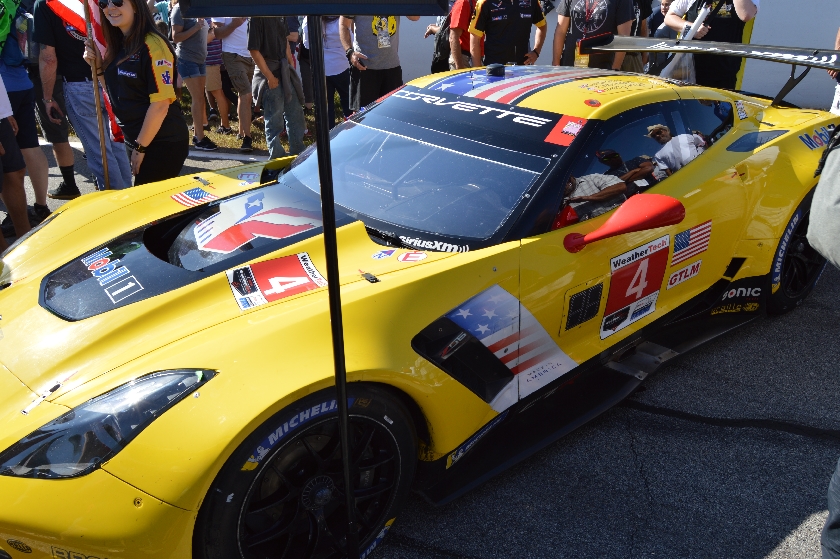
x: 214, y: 78
x: 241, y: 72
x: 366, y: 86
x: 23, y: 105
x: 187, y: 69
x: 12, y: 160
x: 53, y: 133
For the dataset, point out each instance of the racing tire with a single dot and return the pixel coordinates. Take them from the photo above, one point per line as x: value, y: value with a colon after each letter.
x: 796, y: 266
x: 280, y: 495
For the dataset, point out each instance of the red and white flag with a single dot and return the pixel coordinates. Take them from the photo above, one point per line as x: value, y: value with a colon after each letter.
x: 72, y: 12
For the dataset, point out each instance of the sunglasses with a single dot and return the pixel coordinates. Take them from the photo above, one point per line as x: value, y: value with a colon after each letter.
x: 117, y: 3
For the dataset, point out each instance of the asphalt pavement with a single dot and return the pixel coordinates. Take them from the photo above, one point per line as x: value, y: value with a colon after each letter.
x: 726, y: 453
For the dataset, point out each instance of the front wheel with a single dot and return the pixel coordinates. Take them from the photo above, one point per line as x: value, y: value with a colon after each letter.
x: 796, y: 265
x: 281, y: 494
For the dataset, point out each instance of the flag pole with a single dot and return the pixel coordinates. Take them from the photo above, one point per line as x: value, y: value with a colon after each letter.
x: 94, y: 68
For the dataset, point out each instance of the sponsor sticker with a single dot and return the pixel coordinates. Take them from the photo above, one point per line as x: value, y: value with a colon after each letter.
x: 123, y: 289
x: 784, y: 243
x: 387, y: 253
x: 166, y: 78
x: 635, y: 282
x: 742, y: 293
x: 103, y: 268
x: 163, y: 62
x: 690, y: 271
x: 566, y: 130
x: 471, y: 442
x: 413, y: 256
x: 742, y: 111
x: 18, y: 545
x: 439, y: 246
x: 735, y: 308
x: 248, y: 178
x: 296, y: 421
x: 58, y: 553
x: 126, y: 73
x: 263, y: 282
x: 819, y: 139
x: 480, y: 110
x: 379, y: 537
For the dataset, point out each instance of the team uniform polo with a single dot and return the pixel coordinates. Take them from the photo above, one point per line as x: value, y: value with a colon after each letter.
x: 143, y: 78
x: 506, y: 28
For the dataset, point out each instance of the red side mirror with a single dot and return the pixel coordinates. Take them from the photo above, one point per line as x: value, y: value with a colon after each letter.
x: 639, y: 213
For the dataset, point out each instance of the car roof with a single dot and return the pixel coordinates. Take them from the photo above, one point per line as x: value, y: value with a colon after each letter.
x: 583, y: 92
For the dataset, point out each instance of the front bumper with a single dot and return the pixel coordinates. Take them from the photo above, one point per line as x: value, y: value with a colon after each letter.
x: 96, y: 516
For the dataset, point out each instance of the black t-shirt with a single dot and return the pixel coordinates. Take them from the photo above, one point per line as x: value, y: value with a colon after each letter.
x: 727, y: 27
x: 641, y: 11
x: 268, y: 35
x: 590, y: 18
x: 141, y: 79
x: 68, y: 42
x: 506, y: 28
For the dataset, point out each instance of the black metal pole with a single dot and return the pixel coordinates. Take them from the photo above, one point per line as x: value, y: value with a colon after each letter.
x: 322, y: 136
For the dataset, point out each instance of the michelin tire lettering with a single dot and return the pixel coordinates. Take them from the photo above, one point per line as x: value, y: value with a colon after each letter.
x: 776, y: 279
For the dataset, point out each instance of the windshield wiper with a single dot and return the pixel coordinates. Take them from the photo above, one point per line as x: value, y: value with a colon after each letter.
x: 389, y: 238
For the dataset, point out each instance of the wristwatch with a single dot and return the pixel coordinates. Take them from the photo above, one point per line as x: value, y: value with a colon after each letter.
x: 136, y: 146
x: 349, y: 53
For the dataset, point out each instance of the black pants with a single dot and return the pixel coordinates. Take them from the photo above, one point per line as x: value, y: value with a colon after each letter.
x: 369, y: 85
x: 163, y: 160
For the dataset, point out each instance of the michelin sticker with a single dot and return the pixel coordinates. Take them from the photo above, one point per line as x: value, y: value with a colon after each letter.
x: 776, y: 279
x: 379, y: 537
x: 297, y: 420
x: 471, y: 442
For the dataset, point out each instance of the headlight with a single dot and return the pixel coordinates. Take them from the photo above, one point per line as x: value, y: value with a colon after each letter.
x: 78, y: 441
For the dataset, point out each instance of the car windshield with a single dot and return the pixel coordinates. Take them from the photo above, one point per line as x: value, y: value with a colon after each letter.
x: 459, y: 174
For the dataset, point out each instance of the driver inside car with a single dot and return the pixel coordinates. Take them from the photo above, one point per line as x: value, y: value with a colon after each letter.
x: 636, y: 173
x: 595, y: 194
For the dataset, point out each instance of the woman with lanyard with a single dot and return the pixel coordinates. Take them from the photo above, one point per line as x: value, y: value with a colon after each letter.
x: 139, y: 70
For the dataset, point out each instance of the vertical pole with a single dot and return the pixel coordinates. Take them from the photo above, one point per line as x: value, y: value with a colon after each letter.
x: 322, y: 136
x: 94, y: 68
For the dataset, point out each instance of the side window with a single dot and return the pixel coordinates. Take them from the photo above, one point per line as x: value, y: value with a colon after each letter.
x: 710, y: 119
x: 630, y: 153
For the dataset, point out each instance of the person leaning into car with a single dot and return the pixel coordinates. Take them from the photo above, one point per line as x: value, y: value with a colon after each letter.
x: 505, y: 26
x: 603, y: 192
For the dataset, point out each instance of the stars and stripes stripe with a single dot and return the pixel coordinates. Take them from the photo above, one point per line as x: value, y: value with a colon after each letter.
x: 692, y: 242
x: 193, y: 197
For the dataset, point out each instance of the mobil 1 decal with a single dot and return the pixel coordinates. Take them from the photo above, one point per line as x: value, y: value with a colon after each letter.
x: 264, y: 282
x: 635, y: 280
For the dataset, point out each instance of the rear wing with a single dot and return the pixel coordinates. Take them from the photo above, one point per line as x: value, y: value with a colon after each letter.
x: 811, y: 58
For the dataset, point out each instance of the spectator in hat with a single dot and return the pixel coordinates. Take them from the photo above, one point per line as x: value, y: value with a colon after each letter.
x: 371, y: 44
x: 677, y: 151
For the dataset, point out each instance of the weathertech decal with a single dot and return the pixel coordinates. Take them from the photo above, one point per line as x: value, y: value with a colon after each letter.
x: 469, y: 443
x: 776, y: 277
x: 242, y: 219
x: 636, y: 278
x: 263, y: 282
x: 566, y: 130
x: 690, y: 271
x: 300, y: 418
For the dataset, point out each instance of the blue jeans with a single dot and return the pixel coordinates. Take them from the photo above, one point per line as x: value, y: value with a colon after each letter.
x: 81, y: 110
x: 274, y: 109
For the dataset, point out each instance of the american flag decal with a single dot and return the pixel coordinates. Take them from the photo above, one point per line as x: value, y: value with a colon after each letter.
x: 193, y: 197
x: 504, y: 326
x: 692, y: 242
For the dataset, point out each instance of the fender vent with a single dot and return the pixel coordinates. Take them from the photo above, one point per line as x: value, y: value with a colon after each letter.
x: 584, y: 306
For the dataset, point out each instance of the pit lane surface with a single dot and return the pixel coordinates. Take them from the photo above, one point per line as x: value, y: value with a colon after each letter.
x: 727, y: 453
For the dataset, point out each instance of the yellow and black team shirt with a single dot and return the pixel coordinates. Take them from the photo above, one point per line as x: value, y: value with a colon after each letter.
x: 137, y: 81
x: 725, y: 26
x: 506, y: 28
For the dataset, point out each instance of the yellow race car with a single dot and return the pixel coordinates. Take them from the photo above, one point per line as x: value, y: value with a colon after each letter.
x: 518, y: 251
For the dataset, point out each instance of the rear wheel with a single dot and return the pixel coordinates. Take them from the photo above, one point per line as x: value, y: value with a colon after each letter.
x: 281, y: 493
x: 796, y: 265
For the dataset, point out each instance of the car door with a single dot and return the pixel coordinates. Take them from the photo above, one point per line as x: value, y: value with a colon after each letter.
x: 593, y: 299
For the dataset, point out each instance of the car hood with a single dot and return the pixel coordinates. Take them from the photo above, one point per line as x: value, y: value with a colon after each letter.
x: 51, y: 352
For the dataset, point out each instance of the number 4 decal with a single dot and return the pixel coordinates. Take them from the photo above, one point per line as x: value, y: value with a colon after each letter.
x: 281, y: 284
x: 637, y: 286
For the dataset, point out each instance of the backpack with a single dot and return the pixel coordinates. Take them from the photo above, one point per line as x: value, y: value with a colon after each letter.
x: 19, y: 47
x: 440, y: 58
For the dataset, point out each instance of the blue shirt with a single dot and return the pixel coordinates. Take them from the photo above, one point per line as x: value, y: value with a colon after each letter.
x: 15, y: 77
